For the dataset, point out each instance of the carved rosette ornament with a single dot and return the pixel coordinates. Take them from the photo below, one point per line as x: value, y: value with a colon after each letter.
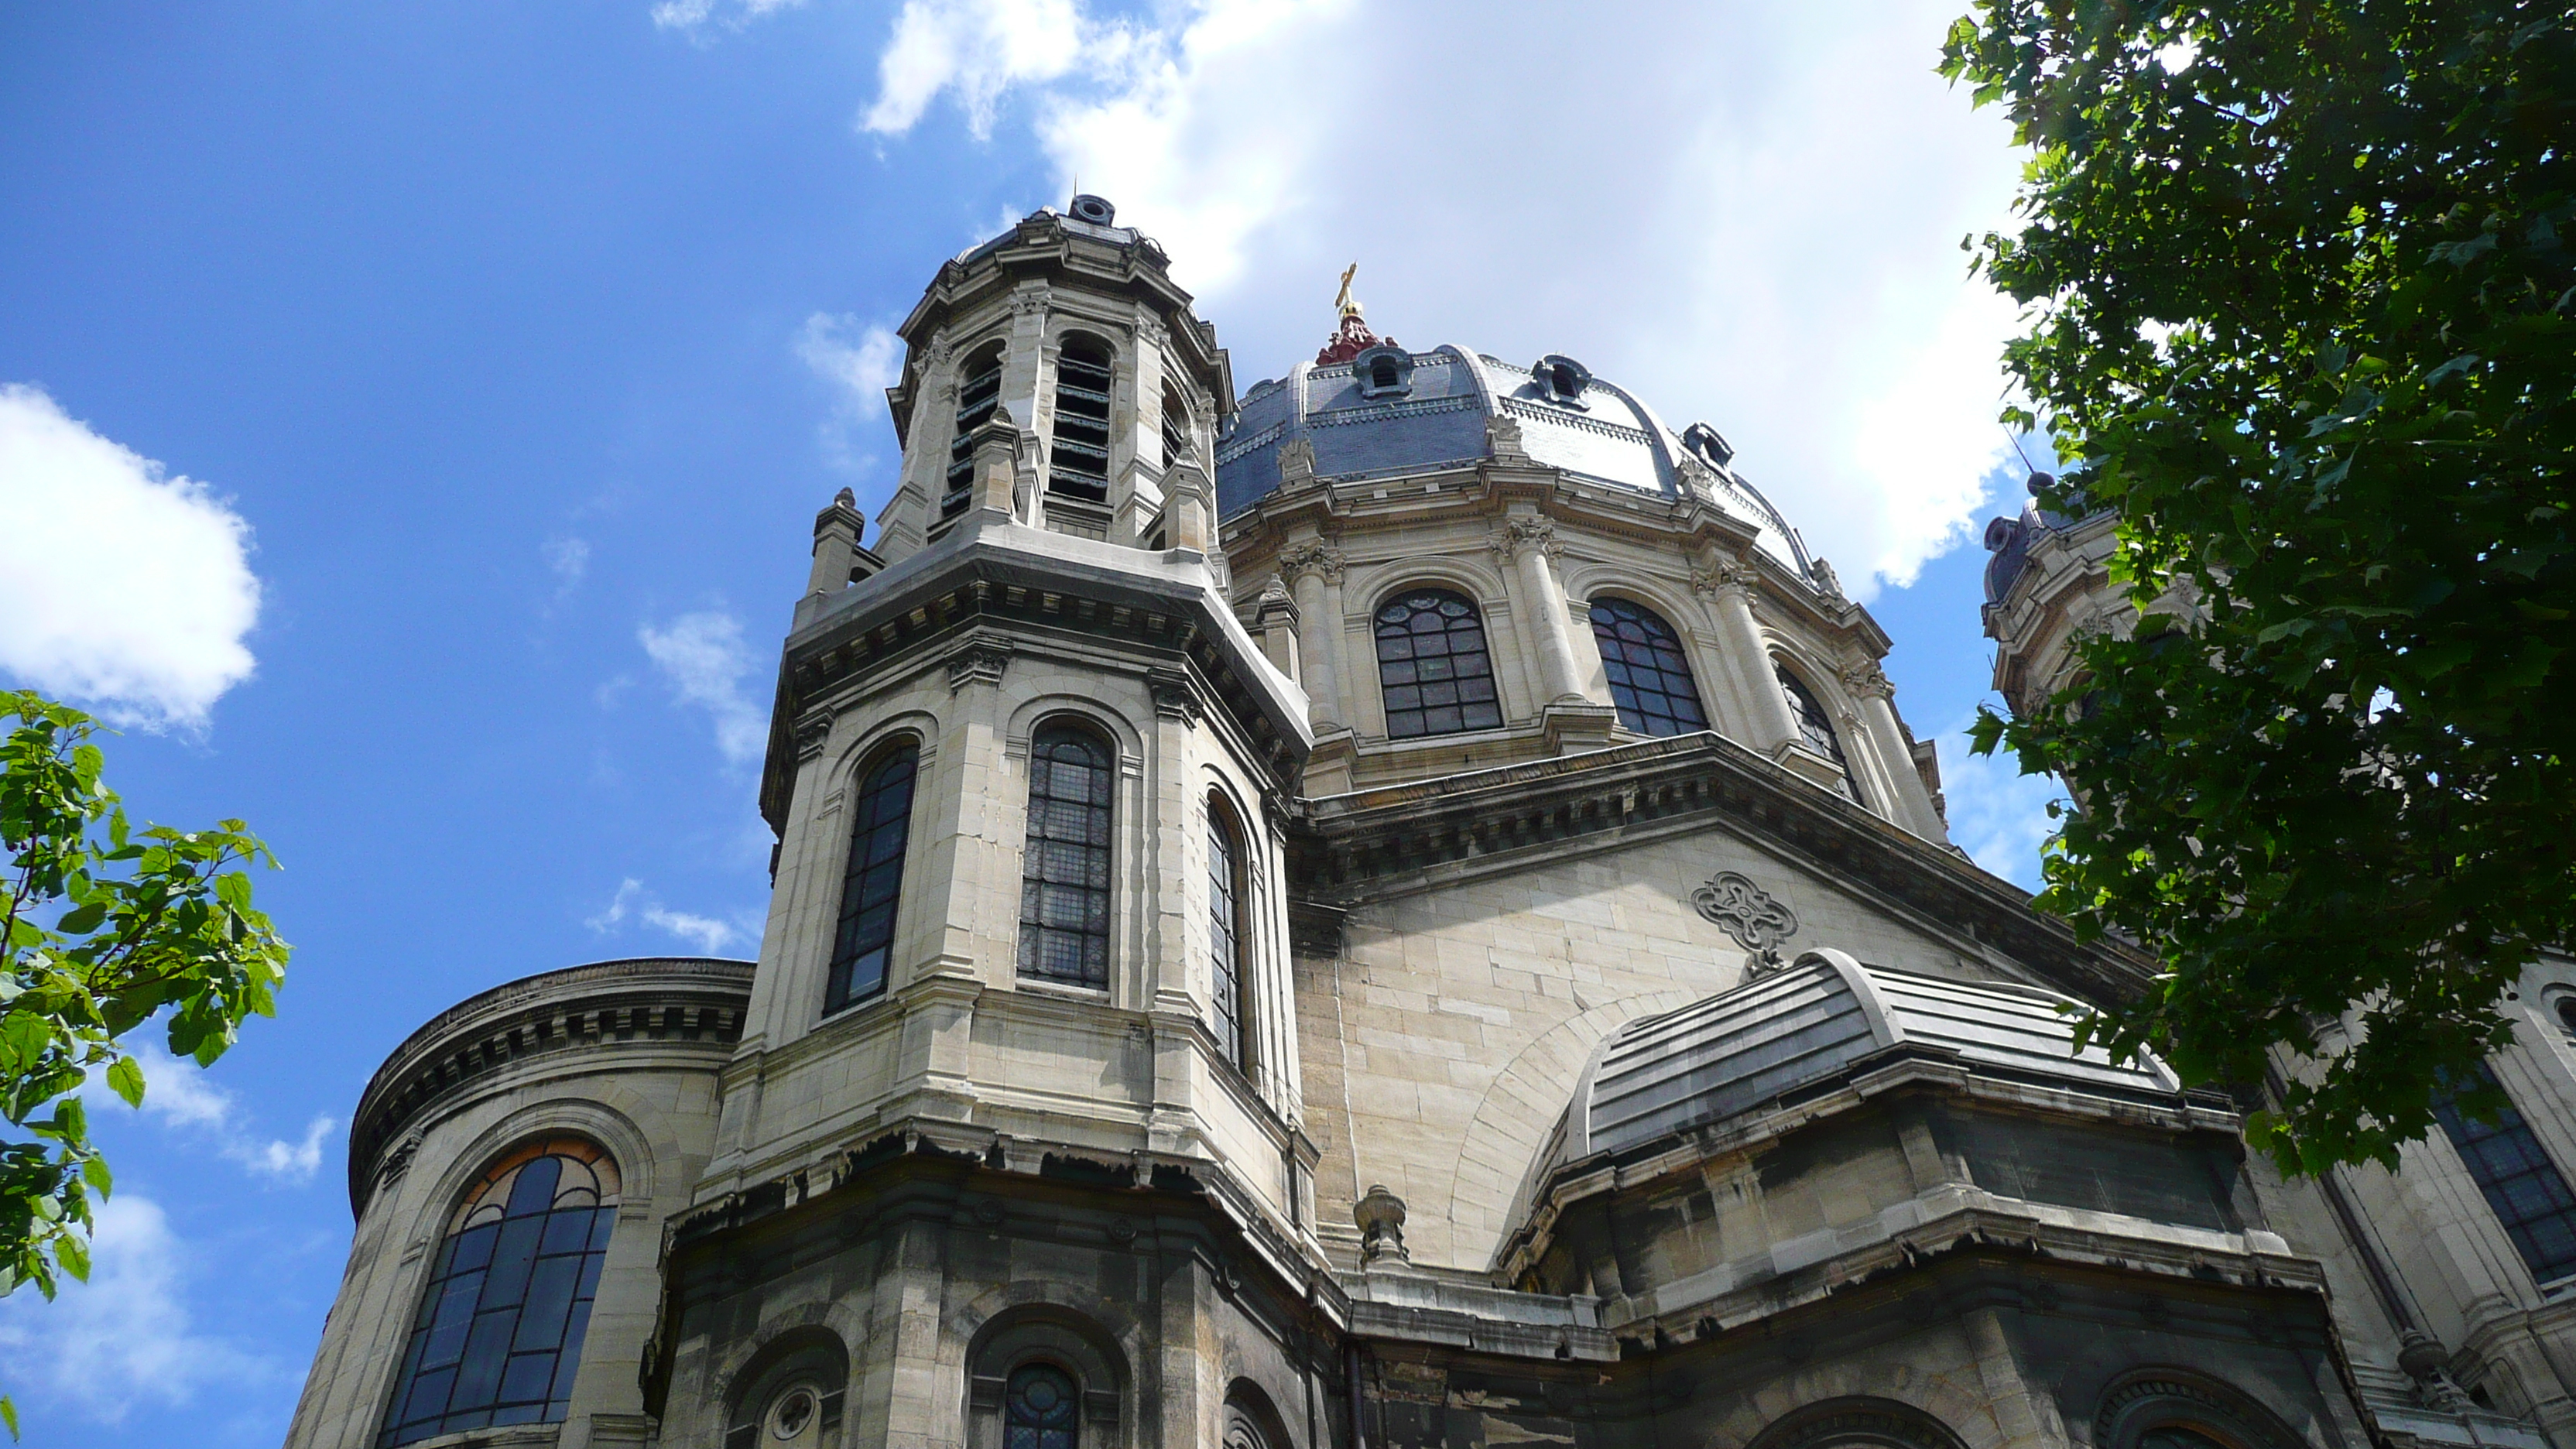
x: 1758, y: 920
x: 1522, y: 534
x: 1313, y: 556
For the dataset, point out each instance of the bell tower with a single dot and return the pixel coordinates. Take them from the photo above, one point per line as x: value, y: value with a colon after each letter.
x: 1027, y: 771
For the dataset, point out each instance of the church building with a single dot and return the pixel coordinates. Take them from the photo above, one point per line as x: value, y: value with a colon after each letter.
x: 1391, y: 909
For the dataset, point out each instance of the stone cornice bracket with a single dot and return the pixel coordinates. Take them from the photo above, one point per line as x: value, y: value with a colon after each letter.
x: 1866, y: 680
x: 812, y: 731
x: 1175, y: 696
x: 1312, y: 557
x: 1029, y: 299
x: 1518, y: 535
x: 979, y: 660
x: 1726, y: 575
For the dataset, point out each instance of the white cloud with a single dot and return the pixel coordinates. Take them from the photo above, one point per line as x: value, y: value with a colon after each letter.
x: 1746, y: 215
x: 859, y: 370
x: 126, y: 1335
x: 706, y: 933
x: 127, y: 589
x: 1997, y: 814
x: 695, y: 16
x: 178, y: 1094
x: 703, y: 657
x: 568, y: 559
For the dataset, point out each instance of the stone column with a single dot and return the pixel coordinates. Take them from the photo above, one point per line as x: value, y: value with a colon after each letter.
x: 1538, y: 602
x: 1314, y: 570
x: 1912, y: 807
x: 1729, y: 589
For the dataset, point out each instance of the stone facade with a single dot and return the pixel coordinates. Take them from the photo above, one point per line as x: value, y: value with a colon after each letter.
x: 1259, y: 957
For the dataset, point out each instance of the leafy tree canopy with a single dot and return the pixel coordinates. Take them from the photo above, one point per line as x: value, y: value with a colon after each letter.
x: 2297, y: 291
x: 104, y: 927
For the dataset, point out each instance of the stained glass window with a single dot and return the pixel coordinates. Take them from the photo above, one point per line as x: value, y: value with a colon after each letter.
x: 1433, y: 666
x: 1041, y: 1409
x: 1815, y: 727
x: 498, y: 1335
x: 2529, y: 1195
x: 881, y: 820
x: 1225, y: 933
x: 979, y: 389
x: 1650, y: 681
x: 1078, y: 460
x: 2176, y: 1436
x: 1064, y: 876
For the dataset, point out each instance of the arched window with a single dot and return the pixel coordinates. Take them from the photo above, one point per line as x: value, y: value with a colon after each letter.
x: 979, y: 391
x: 2177, y: 1436
x: 498, y: 1335
x: 1064, y: 876
x: 1382, y: 373
x: 1649, y: 679
x: 1816, y: 728
x: 1041, y: 1409
x: 1078, y: 461
x: 2567, y: 1014
x: 1226, y: 896
x: 1433, y: 665
x: 2522, y: 1185
x: 880, y: 824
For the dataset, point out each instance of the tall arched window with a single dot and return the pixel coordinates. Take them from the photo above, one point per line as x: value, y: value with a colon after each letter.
x: 1078, y: 460
x: 498, y: 1335
x: 979, y: 391
x: 1816, y: 728
x: 1433, y: 665
x: 1064, y: 876
x: 1041, y: 1409
x: 2521, y: 1184
x: 880, y: 824
x: 1650, y: 680
x: 1226, y: 897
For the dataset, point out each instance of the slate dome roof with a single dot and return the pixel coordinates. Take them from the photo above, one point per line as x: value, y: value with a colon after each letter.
x: 1435, y: 417
x: 1742, y: 1049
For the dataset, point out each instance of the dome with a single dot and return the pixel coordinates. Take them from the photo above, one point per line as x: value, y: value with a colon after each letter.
x: 1388, y: 412
x: 1743, y: 1049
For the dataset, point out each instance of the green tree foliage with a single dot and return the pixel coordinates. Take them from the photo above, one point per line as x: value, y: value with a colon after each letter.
x: 2298, y: 302
x: 104, y: 928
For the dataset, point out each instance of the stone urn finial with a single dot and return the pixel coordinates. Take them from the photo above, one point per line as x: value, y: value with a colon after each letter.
x: 1381, y: 1219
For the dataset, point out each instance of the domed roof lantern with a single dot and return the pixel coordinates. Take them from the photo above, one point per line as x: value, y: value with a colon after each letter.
x: 1351, y: 336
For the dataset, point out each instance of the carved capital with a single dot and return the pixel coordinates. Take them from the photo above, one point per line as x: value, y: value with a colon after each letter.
x: 1315, y: 557
x: 1728, y: 575
x: 1150, y: 332
x: 1519, y: 535
x: 1175, y: 697
x: 979, y: 660
x: 812, y: 731
x: 1866, y: 680
x: 1758, y: 920
x: 1029, y: 301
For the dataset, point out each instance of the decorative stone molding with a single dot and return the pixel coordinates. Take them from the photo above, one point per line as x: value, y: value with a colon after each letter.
x: 1503, y: 439
x: 1860, y: 1422
x: 1866, y: 680
x: 2426, y: 1362
x: 1728, y: 574
x: 1380, y: 1216
x: 2147, y: 1402
x: 1315, y: 557
x: 811, y: 733
x: 1296, y: 463
x: 1827, y: 585
x: 1758, y: 920
x: 980, y: 660
x: 1521, y: 534
x: 1153, y: 334
x: 1029, y: 301
x: 1175, y: 697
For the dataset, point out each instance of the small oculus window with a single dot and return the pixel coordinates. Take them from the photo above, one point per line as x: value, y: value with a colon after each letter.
x: 1383, y: 372
x: 1561, y: 379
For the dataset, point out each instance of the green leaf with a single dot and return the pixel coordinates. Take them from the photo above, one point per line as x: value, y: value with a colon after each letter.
x: 126, y: 1076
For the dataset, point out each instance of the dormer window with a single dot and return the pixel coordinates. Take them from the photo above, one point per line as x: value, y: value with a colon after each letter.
x: 1561, y: 380
x: 1383, y: 372
x: 1078, y: 460
x: 1709, y: 444
x: 979, y: 388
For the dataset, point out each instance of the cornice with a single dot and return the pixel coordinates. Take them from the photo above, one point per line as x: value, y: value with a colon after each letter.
x: 656, y: 1001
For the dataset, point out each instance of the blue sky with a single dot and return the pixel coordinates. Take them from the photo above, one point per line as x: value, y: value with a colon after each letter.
x: 427, y: 406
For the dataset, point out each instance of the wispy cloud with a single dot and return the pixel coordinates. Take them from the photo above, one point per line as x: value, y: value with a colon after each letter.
x: 703, y: 658
x: 126, y: 1336
x: 127, y: 589
x: 860, y: 362
x: 632, y: 901
x: 568, y: 559
x: 179, y: 1095
x: 1747, y: 214
x: 698, y: 17
x: 1997, y: 814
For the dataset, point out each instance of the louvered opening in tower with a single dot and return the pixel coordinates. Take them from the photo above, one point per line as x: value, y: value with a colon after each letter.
x: 979, y: 388
x: 1078, y: 458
